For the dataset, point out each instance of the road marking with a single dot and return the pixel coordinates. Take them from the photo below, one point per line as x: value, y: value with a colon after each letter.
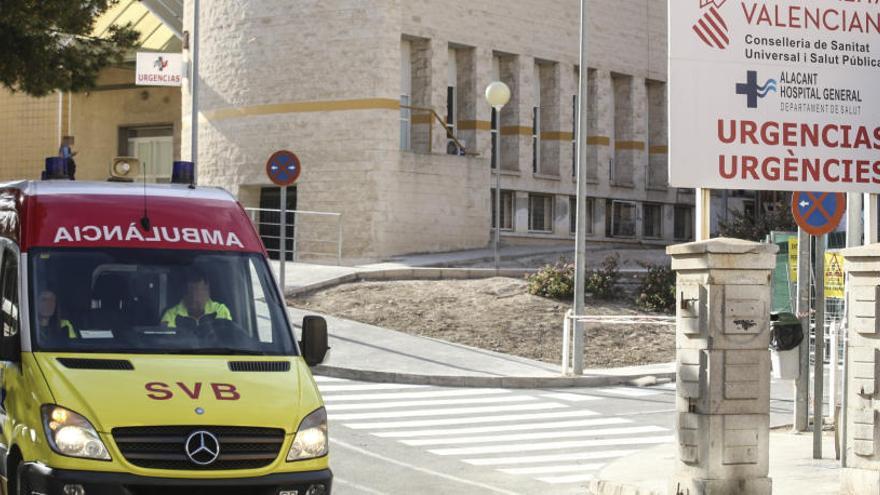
x: 569, y: 397
x: 537, y: 447
x: 533, y: 459
x: 504, y: 428
x: 417, y: 403
x: 419, y: 413
x: 571, y: 468
x: 558, y: 480
x: 422, y: 470
x: 327, y: 379
x: 411, y: 395
x: 468, y: 421
x: 339, y: 481
x: 366, y: 386
x: 627, y: 391
x: 547, y: 435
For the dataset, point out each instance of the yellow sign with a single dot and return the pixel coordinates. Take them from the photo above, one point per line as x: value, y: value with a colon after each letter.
x: 834, y: 276
x: 834, y: 273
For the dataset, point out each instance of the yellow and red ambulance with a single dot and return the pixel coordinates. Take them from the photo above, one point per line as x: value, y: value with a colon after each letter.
x: 146, y: 348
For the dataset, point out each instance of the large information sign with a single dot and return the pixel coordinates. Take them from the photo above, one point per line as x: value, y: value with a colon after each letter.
x: 775, y: 95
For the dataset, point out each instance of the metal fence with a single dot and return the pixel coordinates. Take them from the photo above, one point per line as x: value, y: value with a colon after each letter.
x: 309, y: 236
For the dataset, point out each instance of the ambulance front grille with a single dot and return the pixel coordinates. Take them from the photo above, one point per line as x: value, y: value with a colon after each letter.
x: 164, y: 447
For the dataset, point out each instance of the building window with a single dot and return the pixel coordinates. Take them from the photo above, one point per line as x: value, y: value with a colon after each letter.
x: 684, y: 223
x: 153, y: 146
x: 540, y: 213
x: 572, y: 206
x: 623, y: 219
x: 506, y: 210
x: 405, y: 123
x: 536, y: 138
x: 652, y: 223
x: 536, y: 122
x: 574, y: 134
x: 405, y: 95
x: 451, y: 101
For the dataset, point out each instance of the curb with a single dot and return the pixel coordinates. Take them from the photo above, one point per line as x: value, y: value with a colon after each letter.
x: 601, y: 487
x: 524, y: 382
x: 390, y: 274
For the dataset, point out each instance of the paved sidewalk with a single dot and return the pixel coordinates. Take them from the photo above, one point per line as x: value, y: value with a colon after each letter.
x: 792, y: 469
x: 366, y: 352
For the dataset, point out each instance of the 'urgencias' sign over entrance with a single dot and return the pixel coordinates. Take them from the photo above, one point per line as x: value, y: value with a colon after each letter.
x: 775, y: 94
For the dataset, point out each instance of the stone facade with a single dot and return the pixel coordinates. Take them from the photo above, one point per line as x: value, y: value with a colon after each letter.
x: 327, y: 81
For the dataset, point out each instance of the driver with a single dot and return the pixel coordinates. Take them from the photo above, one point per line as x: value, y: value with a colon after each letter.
x: 47, y: 315
x: 196, y: 305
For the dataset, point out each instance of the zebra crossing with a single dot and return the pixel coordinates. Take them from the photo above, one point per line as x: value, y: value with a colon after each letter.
x: 555, y: 437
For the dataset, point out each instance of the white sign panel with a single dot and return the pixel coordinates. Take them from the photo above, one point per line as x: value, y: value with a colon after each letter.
x: 775, y: 95
x: 159, y: 69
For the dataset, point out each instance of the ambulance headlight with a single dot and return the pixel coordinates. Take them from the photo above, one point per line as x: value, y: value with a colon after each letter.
x: 311, y: 438
x: 72, y: 435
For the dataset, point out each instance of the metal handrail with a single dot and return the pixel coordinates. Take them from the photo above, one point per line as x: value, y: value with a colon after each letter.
x: 254, y: 213
x: 443, y: 124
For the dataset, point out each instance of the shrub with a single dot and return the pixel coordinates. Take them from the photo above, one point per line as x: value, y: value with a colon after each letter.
x: 657, y: 292
x: 553, y: 281
x: 602, y: 283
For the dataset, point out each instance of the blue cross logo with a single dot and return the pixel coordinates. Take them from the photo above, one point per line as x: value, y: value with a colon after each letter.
x: 752, y: 90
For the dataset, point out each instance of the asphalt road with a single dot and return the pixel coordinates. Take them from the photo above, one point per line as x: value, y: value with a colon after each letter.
x: 394, y: 439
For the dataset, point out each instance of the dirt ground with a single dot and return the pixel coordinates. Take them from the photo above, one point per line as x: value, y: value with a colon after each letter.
x: 496, y: 314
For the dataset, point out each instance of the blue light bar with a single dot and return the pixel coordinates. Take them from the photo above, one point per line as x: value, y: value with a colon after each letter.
x: 56, y: 168
x: 183, y: 173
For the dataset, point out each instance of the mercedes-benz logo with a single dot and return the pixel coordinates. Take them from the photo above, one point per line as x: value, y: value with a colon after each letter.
x: 202, y: 448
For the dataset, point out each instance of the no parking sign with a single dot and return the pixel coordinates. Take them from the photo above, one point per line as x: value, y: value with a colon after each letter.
x: 818, y: 213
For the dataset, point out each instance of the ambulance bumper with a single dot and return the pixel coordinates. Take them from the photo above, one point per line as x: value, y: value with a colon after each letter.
x: 47, y: 481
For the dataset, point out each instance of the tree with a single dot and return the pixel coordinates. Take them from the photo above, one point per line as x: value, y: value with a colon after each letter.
x: 757, y: 227
x: 46, y: 45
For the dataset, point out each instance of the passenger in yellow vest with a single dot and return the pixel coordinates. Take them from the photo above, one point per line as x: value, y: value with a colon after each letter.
x: 196, y: 306
x: 50, y: 323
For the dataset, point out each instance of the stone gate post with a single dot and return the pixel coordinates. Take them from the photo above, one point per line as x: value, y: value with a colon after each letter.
x: 862, y: 474
x: 723, y: 367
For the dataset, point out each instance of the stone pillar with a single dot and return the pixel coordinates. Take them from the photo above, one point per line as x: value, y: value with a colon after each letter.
x: 723, y: 367
x: 862, y: 474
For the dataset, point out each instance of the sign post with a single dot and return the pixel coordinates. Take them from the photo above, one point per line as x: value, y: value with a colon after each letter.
x: 283, y: 168
x: 818, y: 214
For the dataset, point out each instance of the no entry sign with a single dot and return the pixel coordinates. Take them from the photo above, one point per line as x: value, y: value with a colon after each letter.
x: 818, y: 213
x: 283, y: 168
x: 774, y: 95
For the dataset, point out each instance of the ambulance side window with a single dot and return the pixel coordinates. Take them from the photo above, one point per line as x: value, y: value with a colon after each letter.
x: 9, y: 294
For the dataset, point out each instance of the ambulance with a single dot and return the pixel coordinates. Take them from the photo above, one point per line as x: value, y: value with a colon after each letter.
x: 146, y: 348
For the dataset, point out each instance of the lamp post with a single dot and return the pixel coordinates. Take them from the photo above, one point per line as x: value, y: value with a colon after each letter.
x: 497, y: 95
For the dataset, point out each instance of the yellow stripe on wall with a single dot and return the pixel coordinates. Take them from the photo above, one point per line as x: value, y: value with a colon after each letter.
x: 557, y: 136
x: 303, y: 106
x: 478, y: 125
x: 598, y: 140
x: 659, y: 150
x: 630, y: 145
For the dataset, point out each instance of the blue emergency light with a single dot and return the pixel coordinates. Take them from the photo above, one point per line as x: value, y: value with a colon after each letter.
x: 183, y: 172
x: 56, y: 168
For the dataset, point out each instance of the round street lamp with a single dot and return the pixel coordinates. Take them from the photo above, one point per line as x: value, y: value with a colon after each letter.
x: 497, y: 95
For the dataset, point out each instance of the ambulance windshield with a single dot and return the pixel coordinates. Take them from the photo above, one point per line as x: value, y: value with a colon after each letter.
x: 155, y: 301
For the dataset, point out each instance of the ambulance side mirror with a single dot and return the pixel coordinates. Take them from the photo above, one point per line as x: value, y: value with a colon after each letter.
x: 315, y: 341
x: 10, y: 347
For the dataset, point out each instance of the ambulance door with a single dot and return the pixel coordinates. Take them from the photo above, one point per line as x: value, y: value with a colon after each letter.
x: 10, y: 347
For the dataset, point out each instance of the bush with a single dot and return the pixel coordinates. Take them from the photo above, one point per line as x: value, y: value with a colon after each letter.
x: 553, y: 281
x: 557, y: 281
x: 657, y: 292
x: 602, y: 283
